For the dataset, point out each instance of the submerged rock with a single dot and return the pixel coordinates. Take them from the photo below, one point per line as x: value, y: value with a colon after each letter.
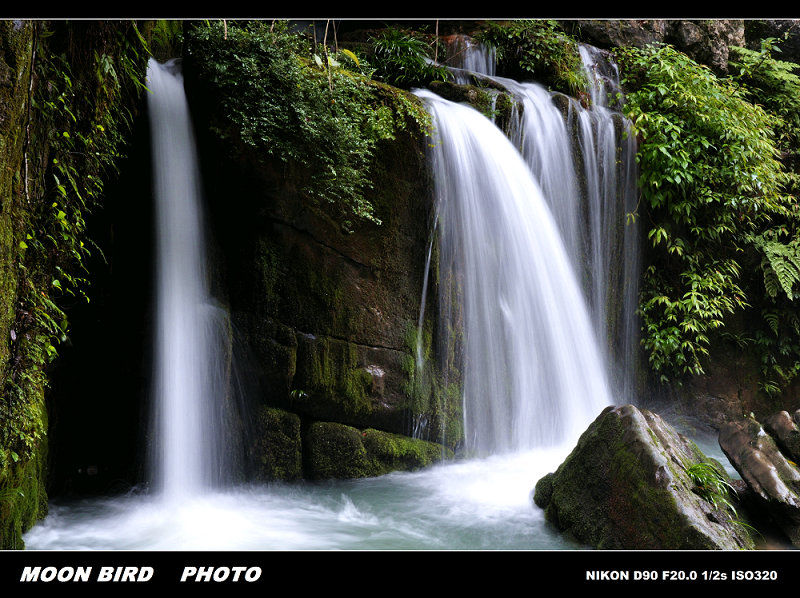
x: 627, y: 485
x: 759, y: 460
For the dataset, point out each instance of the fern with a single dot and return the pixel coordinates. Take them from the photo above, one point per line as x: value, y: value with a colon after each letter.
x: 781, y: 266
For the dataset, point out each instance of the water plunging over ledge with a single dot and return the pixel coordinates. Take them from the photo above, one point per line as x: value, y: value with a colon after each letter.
x: 533, y: 376
x: 191, y: 356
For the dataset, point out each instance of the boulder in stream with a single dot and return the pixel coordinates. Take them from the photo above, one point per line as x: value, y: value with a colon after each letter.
x: 758, y: 458
x: 629, y: 484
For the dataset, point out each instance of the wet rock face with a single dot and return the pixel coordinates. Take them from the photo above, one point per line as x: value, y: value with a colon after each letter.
x: 626, y: 485
x: 706, y: 41
x: 784, y: 429
x: 756, y: 454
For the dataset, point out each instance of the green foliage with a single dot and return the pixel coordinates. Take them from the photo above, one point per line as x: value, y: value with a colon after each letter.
x: 711, y: 181
x: 781, y: 266
x: 166, y: 38
x: 712, y: 485
x: 79, y: 115
x: 537, y: 48
x: 774, y: 84
x: 403, y: 59
x: 304, y: 104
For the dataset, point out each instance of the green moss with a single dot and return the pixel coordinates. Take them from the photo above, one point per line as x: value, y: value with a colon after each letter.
x: 335, y: 451
x: 278, y: 447
x: 340, y: 451
x: 333, y: 382
x: 434, y: 402
x: 66, y: 108
x: 23, y: 496
x: 393, y: 452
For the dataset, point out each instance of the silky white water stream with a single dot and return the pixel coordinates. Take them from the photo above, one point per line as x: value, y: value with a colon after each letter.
x: 188, y: 444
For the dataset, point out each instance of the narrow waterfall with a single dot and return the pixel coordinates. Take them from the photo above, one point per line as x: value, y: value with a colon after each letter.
x: 608, y: 151
x: 532, y: 373
x: 190, y: 355
x: 464, y: 56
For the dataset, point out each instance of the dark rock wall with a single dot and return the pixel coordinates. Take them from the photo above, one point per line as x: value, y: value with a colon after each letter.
x: 44, y: 67
x: 322, y: 316
x: 706, y: 41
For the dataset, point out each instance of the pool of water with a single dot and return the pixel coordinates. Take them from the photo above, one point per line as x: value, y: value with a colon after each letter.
x: 472, y: 505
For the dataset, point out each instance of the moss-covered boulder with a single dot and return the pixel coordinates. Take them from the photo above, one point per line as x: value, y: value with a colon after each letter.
x: 627, y: 485
x: 277, y: 449
x: 338, y: 451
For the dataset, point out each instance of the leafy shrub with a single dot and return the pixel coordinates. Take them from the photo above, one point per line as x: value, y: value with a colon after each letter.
x: 712, y: 485
x: 300, y: 103
x: 402, y: 58
x: 536, y: 48
x: 711, y: 183
x: 774, y: 84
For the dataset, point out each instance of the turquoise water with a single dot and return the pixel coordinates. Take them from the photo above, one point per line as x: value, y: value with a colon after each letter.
x: 470, y: 505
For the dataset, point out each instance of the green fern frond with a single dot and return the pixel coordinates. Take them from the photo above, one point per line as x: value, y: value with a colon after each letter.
x: 781, y: 267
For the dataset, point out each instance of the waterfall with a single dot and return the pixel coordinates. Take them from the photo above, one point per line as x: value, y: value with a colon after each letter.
x: 608, y: 150
x: 465, y: 56
x: 584, y: 160
x: 190, y: 346
x: 532, y: 373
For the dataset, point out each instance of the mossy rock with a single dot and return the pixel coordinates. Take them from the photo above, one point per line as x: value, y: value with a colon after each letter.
x: 343, y: 452
x: 277, y: 448
x: 338, y: 380
x: 626, y: 486
x: 23, y: 498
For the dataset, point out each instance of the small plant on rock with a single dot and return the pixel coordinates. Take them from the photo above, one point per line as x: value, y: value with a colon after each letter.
x: 711, y: 485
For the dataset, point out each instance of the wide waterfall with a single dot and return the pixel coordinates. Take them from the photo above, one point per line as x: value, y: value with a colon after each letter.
x: 533, y: 375
x: 583, y: 158
x: 191, y: 359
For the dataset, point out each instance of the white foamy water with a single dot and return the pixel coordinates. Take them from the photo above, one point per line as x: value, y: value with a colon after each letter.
x: 472, y: 505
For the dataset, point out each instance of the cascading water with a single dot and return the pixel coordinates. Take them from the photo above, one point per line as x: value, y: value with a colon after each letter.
x: 465, y: 56
x: 584, y: 160
x: 608, y: 149
x: 532, y: 373
x: 191, y: 360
